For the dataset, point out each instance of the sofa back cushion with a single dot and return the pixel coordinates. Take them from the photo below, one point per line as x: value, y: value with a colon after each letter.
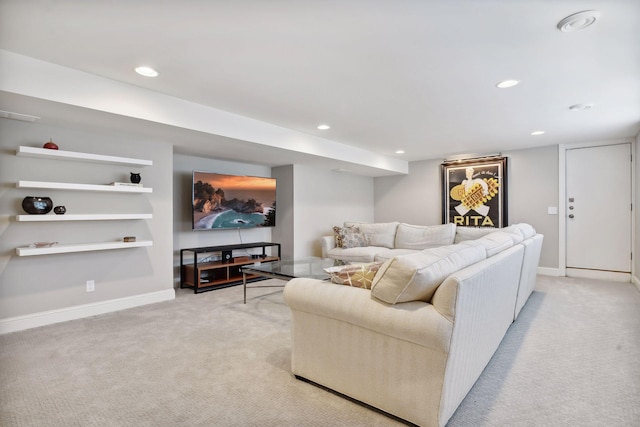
x: 424, y: 236
x: 513, y: 232
x: 526, y: 229
x: 415, y: 277
x: 494, y: 242
x: 382, y: 234
x: 471, y: 233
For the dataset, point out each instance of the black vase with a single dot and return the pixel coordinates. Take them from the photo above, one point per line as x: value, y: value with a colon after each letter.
x: 37, y: 205
x: 135, y: 178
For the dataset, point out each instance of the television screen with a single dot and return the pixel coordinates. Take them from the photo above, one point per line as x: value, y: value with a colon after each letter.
x: 231, y: 201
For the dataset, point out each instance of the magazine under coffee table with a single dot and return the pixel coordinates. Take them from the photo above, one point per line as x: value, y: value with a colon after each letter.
x: 312, y: 267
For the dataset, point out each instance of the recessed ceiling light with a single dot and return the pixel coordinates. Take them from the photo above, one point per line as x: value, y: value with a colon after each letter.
x: 324, y: 127
x: 578, y: 21
x: 580, y: 107
x: 146, y: 71
x: 507, y: 83
x: 537, y: 132
x: 400, y: 152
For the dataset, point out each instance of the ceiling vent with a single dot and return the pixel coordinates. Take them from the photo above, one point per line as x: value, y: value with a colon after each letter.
x: 578, y: 21
x: 18, y: 116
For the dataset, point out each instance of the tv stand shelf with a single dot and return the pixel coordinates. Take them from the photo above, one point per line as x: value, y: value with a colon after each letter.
x: 206, y: 276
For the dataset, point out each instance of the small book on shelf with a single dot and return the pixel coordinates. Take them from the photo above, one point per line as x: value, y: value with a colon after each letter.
x: 125, y: 184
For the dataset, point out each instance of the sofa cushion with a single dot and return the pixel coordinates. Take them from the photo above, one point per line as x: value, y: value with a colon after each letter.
x: 356, y: 275
x: 494, y: 242
x: 381, y: 234
x: 385, y: 254
x: 422, y: 237
x: 350, y: 237
x: 361, y: 254
x: 472, y: 233
x: 526, y: 229
x: 416, y: 277
x: 513, y: 232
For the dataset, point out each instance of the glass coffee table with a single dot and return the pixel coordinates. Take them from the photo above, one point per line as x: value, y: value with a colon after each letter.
x: 312, y: 267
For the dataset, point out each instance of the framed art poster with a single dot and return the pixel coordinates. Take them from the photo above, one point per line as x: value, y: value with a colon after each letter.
x: 474, y: 192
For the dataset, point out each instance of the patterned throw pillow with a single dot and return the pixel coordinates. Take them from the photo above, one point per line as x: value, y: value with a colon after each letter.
x: 352, y: 237
x: 357, y: 275
x: 337, y: 236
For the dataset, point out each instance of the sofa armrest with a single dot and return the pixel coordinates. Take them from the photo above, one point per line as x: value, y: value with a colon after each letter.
x: 326, y: 244
x: 417, y: 321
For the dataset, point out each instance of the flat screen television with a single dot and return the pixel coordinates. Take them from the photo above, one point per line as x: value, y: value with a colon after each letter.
x: 222, y: 201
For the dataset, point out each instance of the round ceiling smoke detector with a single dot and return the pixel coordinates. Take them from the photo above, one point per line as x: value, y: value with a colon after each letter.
x: 578, y: 21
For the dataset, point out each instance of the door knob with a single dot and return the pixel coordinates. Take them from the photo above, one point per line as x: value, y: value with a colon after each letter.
x: 570, y: 215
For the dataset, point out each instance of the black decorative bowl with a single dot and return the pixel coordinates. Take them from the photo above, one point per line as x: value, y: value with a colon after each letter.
x: 37, y: 205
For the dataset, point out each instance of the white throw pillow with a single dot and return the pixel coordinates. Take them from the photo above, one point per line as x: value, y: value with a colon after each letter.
x: 424, y: 236
x: 416, y: 277
x: 382, y: 234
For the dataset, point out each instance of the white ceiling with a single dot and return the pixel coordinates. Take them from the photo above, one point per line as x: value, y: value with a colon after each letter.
x: 415, y: 75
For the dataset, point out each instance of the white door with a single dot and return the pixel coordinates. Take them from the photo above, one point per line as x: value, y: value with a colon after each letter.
x: 598, y: 208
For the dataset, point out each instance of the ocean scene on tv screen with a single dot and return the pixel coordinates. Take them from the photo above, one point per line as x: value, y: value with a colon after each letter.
x: 231, y: 201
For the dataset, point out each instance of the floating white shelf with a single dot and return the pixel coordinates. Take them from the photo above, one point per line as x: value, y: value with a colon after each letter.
x: 83, y: 217
x: 83, y: 187
x: 81, y: 247
x: 83, y: 157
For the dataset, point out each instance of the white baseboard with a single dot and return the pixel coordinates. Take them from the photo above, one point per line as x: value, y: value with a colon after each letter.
x: 600, y: 275
x: 547, y: 271
x: 20, y: 323
x: 636, y: 281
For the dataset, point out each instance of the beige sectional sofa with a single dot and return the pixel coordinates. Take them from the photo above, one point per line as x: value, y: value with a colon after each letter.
x: 389, y: 239
x: 415, y: 344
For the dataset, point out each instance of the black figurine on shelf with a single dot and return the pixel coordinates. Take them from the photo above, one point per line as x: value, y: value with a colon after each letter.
x: 135, y: 178
x: 59, y: 210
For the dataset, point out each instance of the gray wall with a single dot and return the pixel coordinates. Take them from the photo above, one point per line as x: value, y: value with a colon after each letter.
x: 324, y: 198
x: 285, y: 218
x: 533, y: 187
x: 532, y: 175
x: 636, y: 208
x: 42, y: 283
x: 414, y: 198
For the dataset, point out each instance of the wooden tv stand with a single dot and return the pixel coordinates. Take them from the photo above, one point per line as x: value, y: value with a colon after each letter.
x: 206, y: 276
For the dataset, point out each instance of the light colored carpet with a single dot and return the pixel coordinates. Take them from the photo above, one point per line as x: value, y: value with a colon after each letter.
x: 572, y: 358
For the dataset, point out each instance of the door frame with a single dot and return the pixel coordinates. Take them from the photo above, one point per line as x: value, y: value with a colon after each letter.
x: 562, y: 195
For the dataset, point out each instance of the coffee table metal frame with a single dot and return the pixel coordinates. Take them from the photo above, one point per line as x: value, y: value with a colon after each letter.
x: 312, y: 267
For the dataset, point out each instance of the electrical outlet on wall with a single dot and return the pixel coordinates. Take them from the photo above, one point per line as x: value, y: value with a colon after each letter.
x: 91, y: 285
